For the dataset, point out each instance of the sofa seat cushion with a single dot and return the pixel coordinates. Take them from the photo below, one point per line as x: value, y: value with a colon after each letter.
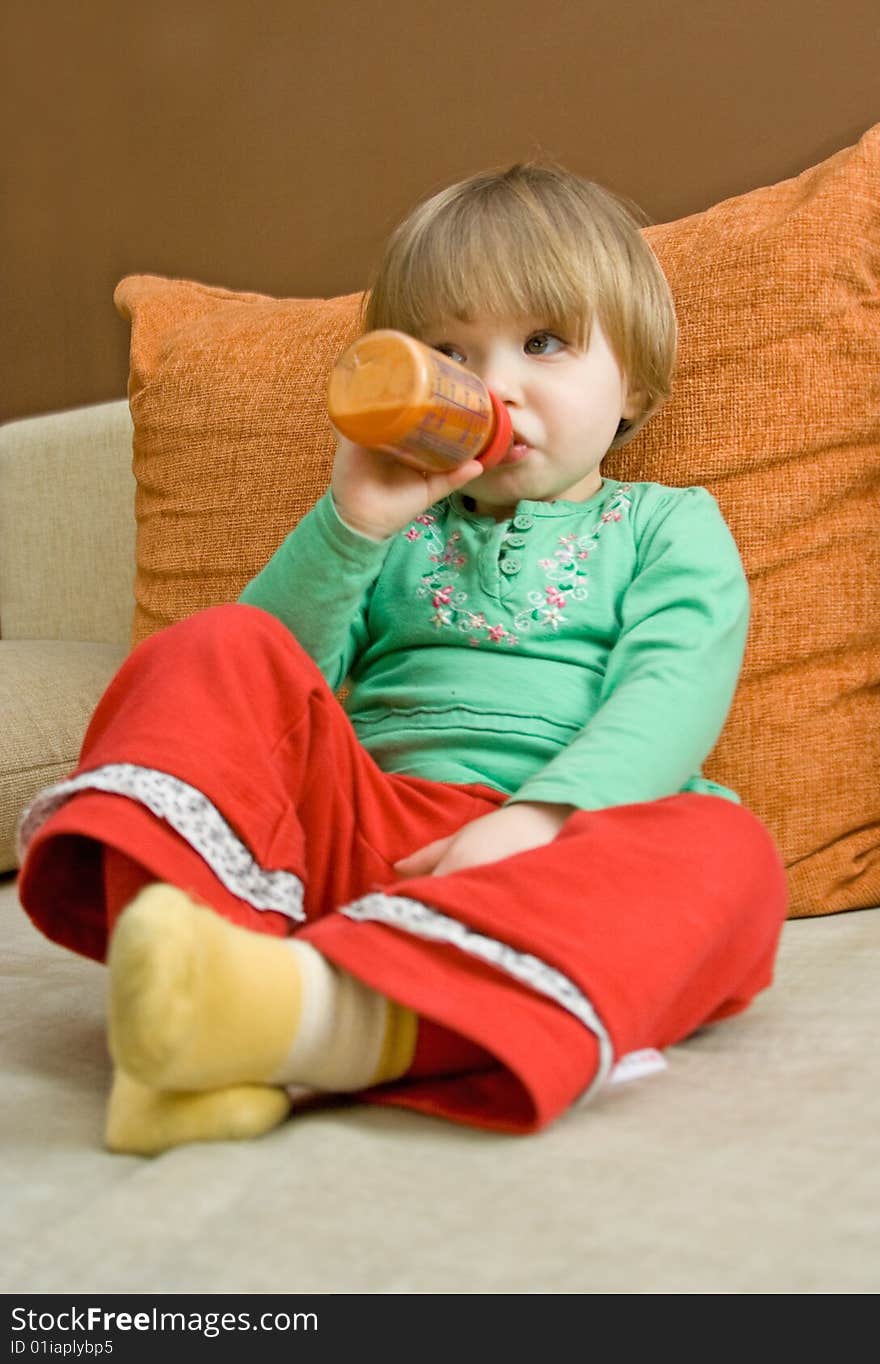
x: 48, y: 691
x: 748, y: 1166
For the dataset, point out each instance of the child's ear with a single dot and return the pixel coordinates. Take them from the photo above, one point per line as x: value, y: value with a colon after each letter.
x: 636, y: 402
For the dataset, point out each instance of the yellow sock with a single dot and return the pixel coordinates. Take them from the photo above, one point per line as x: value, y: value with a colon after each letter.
x: 197, y: 1003
x: 347, y: 1036
x: 143, y: 1121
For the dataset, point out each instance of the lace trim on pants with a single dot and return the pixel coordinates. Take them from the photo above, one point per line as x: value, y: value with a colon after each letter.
x: 413, y: 917
x: 191, y: 815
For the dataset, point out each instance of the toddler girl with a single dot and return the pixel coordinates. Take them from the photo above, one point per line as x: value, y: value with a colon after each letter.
x: 495, y: 867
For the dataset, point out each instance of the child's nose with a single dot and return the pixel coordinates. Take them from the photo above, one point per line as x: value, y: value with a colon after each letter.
x: 500, y: 375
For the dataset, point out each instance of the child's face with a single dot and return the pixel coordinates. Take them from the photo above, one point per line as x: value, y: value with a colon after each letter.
x: 565, y: 404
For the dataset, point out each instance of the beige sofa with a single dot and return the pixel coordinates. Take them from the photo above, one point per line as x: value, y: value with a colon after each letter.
x: 747, y: 1166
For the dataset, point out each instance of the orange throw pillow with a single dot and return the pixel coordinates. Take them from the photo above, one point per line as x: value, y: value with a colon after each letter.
x: 776, y: 411
x: 232, y: 444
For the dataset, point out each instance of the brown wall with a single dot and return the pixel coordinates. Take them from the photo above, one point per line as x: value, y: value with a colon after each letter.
x: 269, y: 144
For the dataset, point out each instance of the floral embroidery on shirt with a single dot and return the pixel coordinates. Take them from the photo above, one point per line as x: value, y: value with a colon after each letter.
x: 565, y: 575
x: 448, y: 603
x: 564, y: 578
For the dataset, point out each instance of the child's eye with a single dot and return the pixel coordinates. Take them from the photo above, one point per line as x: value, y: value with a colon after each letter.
x: 543, y: 343
x: 446, y: 348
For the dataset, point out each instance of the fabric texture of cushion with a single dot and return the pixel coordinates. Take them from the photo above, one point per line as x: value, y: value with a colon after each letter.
x: 232, y: 443
x: 775, y: 411
x: 49, y: 689
x: 67, y: 483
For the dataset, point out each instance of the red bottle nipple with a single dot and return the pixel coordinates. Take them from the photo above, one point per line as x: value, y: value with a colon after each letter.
x: 502, y: 436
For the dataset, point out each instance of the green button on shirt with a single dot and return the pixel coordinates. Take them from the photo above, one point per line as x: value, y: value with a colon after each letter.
x: 584, y: 653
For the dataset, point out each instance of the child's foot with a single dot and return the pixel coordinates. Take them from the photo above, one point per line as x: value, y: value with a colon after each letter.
x: 143, y: 1121
x: 197, y: 1003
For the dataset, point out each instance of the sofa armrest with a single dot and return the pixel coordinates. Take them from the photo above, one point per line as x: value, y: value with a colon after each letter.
x: 67, y: 527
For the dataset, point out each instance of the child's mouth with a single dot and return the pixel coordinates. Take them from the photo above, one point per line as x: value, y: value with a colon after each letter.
x: 517, y: 452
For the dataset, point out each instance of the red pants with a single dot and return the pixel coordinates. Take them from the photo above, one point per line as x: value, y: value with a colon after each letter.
x: 219, y: 760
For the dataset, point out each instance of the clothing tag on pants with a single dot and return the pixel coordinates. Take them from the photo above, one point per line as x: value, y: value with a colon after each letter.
x: 635, y: 1064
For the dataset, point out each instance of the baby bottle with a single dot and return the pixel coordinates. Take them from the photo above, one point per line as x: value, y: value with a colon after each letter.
x: 390, y: 392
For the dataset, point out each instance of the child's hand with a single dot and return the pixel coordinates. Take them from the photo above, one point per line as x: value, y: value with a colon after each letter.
x: 378, y: 495
x: 502, y: 833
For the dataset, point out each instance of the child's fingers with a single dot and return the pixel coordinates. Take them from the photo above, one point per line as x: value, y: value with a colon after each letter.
x: 440, y: 485
x: 423, y: 861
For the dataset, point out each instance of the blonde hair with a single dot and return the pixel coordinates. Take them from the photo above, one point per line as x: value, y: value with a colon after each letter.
x: 534, y: 240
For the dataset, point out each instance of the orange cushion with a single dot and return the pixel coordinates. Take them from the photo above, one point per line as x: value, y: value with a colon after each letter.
x: 231, y: 438
x: 775, y: 411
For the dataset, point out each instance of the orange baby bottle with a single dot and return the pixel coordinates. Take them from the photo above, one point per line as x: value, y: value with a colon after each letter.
x: 390, y: 392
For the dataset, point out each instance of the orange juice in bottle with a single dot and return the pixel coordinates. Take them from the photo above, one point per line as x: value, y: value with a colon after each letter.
x: 390, y: 392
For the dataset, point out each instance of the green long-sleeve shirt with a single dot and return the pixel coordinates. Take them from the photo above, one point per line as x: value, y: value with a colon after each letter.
x: 584, y: 653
